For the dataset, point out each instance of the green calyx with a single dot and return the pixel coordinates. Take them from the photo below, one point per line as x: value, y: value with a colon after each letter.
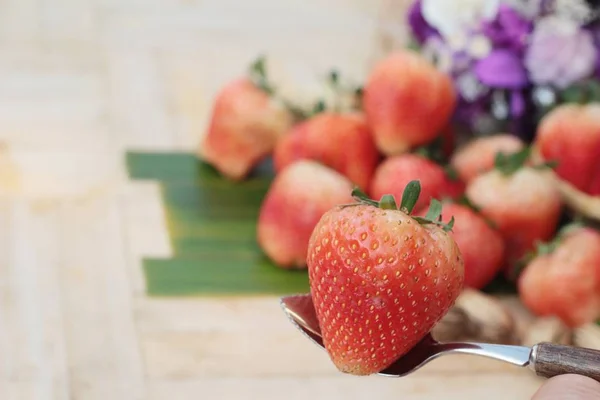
x: 410, y: 196
x: 583, y: 92
x: 341, y: 91
x: 545, y: 248
x: 434, y: 216
x: 434, y: 151
x: 508, y: 164
x: 259, y: 76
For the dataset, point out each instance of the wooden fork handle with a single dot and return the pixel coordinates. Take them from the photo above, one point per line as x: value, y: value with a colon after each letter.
x: 550, y: 359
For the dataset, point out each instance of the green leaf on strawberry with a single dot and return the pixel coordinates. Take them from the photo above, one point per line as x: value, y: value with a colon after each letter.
x: 545, y: 248
x: 258, y: 75
x: 508, y: 164
x: 410, y: 197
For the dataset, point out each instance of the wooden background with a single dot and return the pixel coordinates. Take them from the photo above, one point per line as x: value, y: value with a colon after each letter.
x: 81, y: 83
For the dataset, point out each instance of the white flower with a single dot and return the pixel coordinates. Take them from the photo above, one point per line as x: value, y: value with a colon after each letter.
x: 436, y: 52
x: 528, y: 8
x: 560, y: 53
x: 576, y: 10
x: 450, y: 17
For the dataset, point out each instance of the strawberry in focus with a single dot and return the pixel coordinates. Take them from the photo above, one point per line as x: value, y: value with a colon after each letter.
x: 394, y: 173
x: 478, y: 155
x: 481, y: 246
x: 245, y: 125
x: 341, y: 141
x: 381, y: 279
x: 298, y: 197
x: 570, y: 134
x: 408, y: 102
x: 563, y: 278
x: 522, y: 201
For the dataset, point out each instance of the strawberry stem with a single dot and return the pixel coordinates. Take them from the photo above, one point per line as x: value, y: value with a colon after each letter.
x: 258, y: 76
x: 363, y: 198
x: 434, y: 216
x: 410, y: 196
x: 508, y: 164
x: 388, y: 202
x: 544, y: 248
x: 434, y: 151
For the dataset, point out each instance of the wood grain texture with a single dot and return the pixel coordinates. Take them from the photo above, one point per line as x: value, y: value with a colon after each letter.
x: 553, y: 359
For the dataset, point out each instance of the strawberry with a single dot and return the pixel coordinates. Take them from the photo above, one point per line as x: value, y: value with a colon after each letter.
x: 380, y: 279
x: 245, y: 124
x: 478, y: 155
x: 407, y: 102
x: 522, y: 201
x: 298, y: 197
x: 396, y: 172
x: 563, y: 278
x: 481, y: 246
x: 341, y: 141
x: 570, y: 134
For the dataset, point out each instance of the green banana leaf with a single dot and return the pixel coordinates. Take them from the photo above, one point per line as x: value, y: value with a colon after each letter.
x: 212, y: 228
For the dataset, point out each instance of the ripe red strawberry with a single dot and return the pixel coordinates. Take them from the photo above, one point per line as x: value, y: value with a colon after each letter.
x: 341, y: 141
x: 244, y: 127
x: 481, y: 245
x: 570, y: 134
x: 380, y: 279
x: 298, y: 197
x: 478, y: 155
x: 522, y: 201
x: 407, y: 102
x: 396, y: 172
x: 563, y: 279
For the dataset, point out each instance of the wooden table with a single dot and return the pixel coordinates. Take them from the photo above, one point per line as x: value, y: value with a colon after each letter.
x: 82, y: 82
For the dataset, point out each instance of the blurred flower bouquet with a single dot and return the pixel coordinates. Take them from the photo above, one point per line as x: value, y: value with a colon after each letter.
x: 511, y: 60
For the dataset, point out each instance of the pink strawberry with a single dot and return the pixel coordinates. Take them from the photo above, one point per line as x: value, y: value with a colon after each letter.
x: 570, y: 135
x: 340, y: 141
x: 396, y: 172
x: 522, y: 201
x: 563, y: 279
x: 481, y: 246
x: 478, y: 155
x: 380, y: 279
x: 244, y: 128
x: 407, y: 102
x: 298, y: 197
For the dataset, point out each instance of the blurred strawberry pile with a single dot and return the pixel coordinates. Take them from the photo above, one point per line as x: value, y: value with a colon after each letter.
x: 509, y: 198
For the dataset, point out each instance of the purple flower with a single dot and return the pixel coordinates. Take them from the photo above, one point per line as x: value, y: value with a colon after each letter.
x: 509, y: 29
x: 501, y: 69
x: 420, y: 28
x: 517, y: 103
x: 560, y: 53
x: 595, y: 31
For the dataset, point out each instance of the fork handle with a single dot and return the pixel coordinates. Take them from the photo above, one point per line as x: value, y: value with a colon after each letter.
x: 549, y: 359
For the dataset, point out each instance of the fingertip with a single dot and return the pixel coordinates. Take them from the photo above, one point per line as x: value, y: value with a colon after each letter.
x: 568, y: 387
